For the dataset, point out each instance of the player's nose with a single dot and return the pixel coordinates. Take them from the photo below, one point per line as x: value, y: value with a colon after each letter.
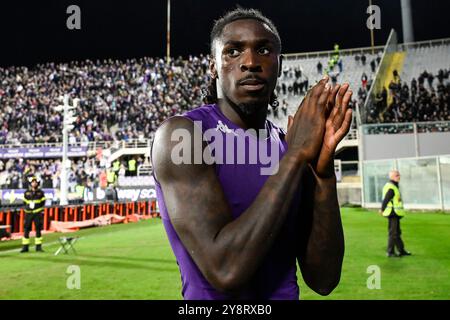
x: 250, y: 62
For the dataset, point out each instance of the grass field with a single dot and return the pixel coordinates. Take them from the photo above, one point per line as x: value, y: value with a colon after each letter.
x: 135, y: 261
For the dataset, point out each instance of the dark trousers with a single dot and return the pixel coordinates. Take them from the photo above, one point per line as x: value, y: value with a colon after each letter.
x: 394, y: 235
x: 130, y: 173
x: 38, y: 219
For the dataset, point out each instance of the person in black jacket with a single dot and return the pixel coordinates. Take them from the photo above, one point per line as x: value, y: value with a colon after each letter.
x: 34, y: 200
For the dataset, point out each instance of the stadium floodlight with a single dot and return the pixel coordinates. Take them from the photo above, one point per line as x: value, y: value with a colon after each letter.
x: 69, y: 117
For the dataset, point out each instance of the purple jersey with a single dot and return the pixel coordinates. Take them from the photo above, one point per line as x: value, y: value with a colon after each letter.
x: 276, y: 277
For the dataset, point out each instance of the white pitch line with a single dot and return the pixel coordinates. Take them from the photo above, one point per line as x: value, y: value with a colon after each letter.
x: 18, y: 249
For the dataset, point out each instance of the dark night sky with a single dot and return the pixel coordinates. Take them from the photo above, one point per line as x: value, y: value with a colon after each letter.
x: 35, y: 31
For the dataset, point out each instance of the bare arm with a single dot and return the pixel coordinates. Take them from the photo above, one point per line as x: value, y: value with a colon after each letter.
x: 228, y: 251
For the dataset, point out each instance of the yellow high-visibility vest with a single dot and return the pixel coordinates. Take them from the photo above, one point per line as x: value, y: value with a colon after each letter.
x: 396, y: 202
x: 79, y: 189
x: 132, y: 165
x: 116, y: 165
x: 111, y: 176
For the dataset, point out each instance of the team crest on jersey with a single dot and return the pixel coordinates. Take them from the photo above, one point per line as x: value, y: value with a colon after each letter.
x: 224, y: 128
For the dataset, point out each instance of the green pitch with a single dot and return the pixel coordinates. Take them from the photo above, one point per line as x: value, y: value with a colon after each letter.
x: 135, y: 261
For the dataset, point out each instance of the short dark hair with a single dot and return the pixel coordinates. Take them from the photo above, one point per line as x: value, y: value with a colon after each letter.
x: 241, y: 14
x: 210, y: 94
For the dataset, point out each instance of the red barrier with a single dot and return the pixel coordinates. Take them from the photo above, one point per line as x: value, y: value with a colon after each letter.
x: 118, y: 209
x: 130, y: 206
x: 145, y: 209
x: 8, y: 218
x: 101, y: 209
x: 21, y: 221
x: 45, y: 218
x: 75, y: 214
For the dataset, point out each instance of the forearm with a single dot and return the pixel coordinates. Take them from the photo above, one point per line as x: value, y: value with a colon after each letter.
x: 244, y: 242
x: 321, y: 260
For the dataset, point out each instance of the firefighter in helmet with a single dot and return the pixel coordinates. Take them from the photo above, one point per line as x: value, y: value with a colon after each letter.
x: 34, y: 200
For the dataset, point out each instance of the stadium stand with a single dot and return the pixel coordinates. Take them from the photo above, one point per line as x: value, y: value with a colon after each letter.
x: 119, y: 100
x: 301, y: 71
x: 416, y: 85
x: 424, y: 58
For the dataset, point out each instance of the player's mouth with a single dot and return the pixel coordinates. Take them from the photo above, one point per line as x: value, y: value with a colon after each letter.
x: 252, y: 83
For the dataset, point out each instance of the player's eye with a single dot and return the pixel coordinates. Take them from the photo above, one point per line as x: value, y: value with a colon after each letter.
x: 233, y: 52
x: 264, y: 51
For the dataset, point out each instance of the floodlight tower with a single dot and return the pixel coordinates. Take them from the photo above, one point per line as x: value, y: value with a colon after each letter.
x: 407, y: 21
x: 68, y: 120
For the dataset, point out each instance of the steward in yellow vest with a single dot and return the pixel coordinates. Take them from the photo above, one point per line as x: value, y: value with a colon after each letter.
x: 132, y: 167
x: 111, y: 177
x: 116, y: 166
x: 394, y: 203
x: 392, y: 208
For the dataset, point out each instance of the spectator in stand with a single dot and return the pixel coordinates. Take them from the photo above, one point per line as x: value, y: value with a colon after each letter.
x: 373, y: 65
x: 340, y: 65
x: 357, y: 58
x: 363, y: 59
x: 284, y: 107
x: 319, y: 67
x: 364, y: 80
x: 396, y: 76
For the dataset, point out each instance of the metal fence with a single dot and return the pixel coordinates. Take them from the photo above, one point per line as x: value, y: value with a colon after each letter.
x: 424, y: 184
x: 91, y: 145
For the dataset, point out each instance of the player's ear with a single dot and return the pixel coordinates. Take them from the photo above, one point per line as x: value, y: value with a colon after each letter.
x: 280, y: 64
x: 212, y: 67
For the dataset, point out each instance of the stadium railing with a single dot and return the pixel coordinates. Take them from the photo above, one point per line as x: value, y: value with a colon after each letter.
x: 329, y: 53
x: 406, y: 127
x: 144, y: 170
x: 427, y: 43
x: 92, y: 145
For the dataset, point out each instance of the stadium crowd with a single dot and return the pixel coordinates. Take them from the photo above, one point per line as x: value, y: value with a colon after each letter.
x: 14, y: 173
x: 87, y: 171
x: 426, y: 98
x: 119, y: 100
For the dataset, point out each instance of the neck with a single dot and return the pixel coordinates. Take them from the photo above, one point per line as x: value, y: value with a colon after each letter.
x: 255, y: 120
